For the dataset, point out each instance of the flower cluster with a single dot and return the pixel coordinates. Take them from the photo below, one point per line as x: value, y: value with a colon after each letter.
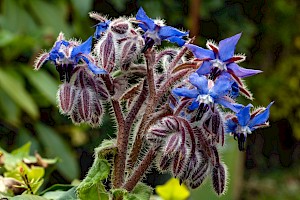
x: 176, y: 110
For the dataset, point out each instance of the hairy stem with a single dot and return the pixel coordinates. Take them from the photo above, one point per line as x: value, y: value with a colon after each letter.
x: 140, y: 170
x: 152, y: 103
x: 122, y: 139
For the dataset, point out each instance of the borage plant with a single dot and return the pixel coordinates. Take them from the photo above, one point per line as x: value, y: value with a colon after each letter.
x: 170, y: 111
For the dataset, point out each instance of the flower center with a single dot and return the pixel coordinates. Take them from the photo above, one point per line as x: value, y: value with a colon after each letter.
x: 243, y: 129
x: 205, y: 98
x: 216, y: 63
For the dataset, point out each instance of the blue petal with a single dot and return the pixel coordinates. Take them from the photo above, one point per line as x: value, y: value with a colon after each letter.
x: 169, y: 31
x: 194, y: 105
x: 185, y: 92
x: 201, y: 53
x: 200, y: 82
x: 244, y: 115
x: 227, y: 104
x: 100, y: 28
x: 242, y: 72
x: 222, y: 87
x: 84, y: 48
x: 205, y: 68
x: 146, y: 22
x: 176, y: 40
x: 227, y: 47
x: 234, y: 90
x: 230, y: 126
x: 92, y: 67
x: 261, y: 118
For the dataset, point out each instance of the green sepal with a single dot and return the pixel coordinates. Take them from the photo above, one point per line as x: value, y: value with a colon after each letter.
x: 140, y: 192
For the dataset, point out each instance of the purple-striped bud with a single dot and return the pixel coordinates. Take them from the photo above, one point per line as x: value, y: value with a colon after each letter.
x: 214, y: 125
x: 105, y: 50
x: 127, y: 53
x: 66, y: 96
x: 199, y: 175
x: 172, y: 144
x: 120, y: 26
x: 97, y: 113
x: 165, y: 162
x: 75, y: 117
x: 179, y: 161
x: 219, y: 178
x: 84, y: 104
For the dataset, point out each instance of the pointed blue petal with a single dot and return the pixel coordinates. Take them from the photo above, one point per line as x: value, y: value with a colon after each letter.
x: 201, y: 53
x: 244, y: 115
x: 146, y: 22
x: 205, y: 68
x: 92, y: 66
x: 169, y: 31
x: 232, y: 106
x: 200, y: 82
x: 227, y: 47
x: 222, y: 87
x: 176, y: 40
x: 242, y: 72
x: 261, y: 117
x: 230, y: 126
x: 185, y: 92
x: 84, y: 48
x: 194, y: 105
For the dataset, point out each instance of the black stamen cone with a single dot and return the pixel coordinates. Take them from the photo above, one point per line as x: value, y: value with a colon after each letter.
x: 65, y: 72
x: 149, y: 42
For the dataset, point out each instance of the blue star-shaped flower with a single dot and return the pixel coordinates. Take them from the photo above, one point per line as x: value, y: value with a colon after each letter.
x: 155, y: 33
x: 207, y: 91
x: 245, y: 122
x: 221, y: 57
x: 69, y: 53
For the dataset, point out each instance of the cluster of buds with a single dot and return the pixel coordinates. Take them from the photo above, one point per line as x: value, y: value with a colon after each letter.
x: 182, y: 108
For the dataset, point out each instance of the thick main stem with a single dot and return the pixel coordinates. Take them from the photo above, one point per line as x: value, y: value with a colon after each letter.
x: 122, y: 140
x: 140, y: 170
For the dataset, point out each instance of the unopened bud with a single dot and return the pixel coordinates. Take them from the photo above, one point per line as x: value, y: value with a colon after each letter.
x: 219, y: 178
x: 66, y: 97
x: 106, y: 52
x: 84, y: 101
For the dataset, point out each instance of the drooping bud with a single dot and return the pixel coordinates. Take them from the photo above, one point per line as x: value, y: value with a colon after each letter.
x: 105, y: 50
x: 179, y: 161
x: 66, y: 97
x: 165, y: 162
x: 172, y: 144
x: 97, y: 114
x: 84, y: 104
x: 199, y: 174
x: 219, y: 178
x: 120, y: 26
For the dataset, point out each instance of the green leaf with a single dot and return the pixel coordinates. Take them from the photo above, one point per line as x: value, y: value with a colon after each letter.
x: 57, y: 187
x: 11, y: 160
x: 140, y: 192
x: 172, y: 190
x: 57, y: 147
x: 70, y: 195
x: 43, y: 82
x: 27, y: 197
x: 91, y: 187
x: 106, y: 147
x: 14, y: 88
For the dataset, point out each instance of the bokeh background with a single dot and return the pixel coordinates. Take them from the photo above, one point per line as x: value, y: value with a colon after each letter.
x: 268, y: 169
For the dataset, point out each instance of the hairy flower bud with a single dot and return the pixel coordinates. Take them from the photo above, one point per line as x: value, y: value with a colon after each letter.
x: 105, y: 49
x: 219, y: 178
x: 84, y: 104
x: 66, y: 97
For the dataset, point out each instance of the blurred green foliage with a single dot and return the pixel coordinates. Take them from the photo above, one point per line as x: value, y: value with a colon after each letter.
x: 271, y: 40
